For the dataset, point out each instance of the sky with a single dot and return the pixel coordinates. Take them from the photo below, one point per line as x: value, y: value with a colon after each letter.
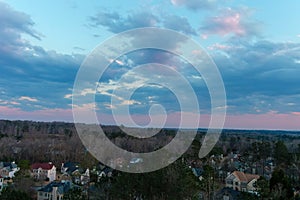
x: 255, y: 45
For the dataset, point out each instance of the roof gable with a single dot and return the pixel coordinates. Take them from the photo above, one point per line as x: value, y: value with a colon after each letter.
x: 245, y: 177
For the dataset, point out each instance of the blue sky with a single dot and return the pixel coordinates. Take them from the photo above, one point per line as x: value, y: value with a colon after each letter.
x: 255, y: 44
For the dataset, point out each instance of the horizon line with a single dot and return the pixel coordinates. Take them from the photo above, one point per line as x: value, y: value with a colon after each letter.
x: 225, y: 128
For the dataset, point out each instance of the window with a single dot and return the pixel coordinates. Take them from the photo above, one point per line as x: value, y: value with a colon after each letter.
x: 229, y: 182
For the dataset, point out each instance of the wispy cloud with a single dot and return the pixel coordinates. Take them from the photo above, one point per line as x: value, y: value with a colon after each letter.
x: 218, y: 46
x: 13, y: 24
x: 5, y: 102
x: 25, y: 98
x: 195, y: 4
x: 114, y: 22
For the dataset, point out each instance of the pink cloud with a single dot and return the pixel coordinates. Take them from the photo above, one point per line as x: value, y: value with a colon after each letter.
x: 38, y: 115
x: 231, y: 21
x: 176, y: 2
x: 204, y: 36
x: 229, y: 24
x: 270, y: 120
x: 296, y: 113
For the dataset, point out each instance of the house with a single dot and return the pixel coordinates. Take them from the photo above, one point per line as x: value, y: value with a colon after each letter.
x: 54, y: 190
x: 197, y: 171
x: 43, y: 171
x: 85, y: 177
x: 8, y: 169
x: 241, y: 182
x: 106, y: 172
x: 228, y: 194
x: 69, y: 167
x: 76, y: 173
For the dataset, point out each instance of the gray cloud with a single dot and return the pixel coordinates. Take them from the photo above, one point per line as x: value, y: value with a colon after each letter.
x: 116, y: 23
x: 28, y: 70
x: 13, y: 24
x: 260, y: 75
x: 178, y: 23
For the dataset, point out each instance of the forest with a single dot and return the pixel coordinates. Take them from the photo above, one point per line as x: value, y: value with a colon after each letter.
x: 28, y: 142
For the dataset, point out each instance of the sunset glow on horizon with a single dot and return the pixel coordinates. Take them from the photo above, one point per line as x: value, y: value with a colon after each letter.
x: 256, y: 50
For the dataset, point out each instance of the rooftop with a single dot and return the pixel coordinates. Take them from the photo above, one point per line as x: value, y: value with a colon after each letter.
x: 45, y: 166
x: 245, y: 177
x: 62, y: 187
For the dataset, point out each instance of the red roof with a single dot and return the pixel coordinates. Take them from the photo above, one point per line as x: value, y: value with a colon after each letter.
x: 245, y: 177
x: 45, y: 166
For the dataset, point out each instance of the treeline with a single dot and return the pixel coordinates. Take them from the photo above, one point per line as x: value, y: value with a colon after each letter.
x: 59, y: 142
x: 19, y: 128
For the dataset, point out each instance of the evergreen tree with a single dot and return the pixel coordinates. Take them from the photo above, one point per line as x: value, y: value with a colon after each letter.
x: 280, y: 185
x: 173, y: 182
x: 281, y: 153
x: 74, y: 194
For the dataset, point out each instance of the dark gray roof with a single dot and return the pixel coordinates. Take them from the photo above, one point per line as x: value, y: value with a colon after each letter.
x: 70, y: 164
x: 106, y: 170
x: 8, y: 165
x: 72, y: 167
x: 62, y: 187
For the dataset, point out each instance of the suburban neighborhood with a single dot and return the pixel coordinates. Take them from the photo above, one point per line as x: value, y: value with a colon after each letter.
x: 48, y: 161
x: 225, y: 177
